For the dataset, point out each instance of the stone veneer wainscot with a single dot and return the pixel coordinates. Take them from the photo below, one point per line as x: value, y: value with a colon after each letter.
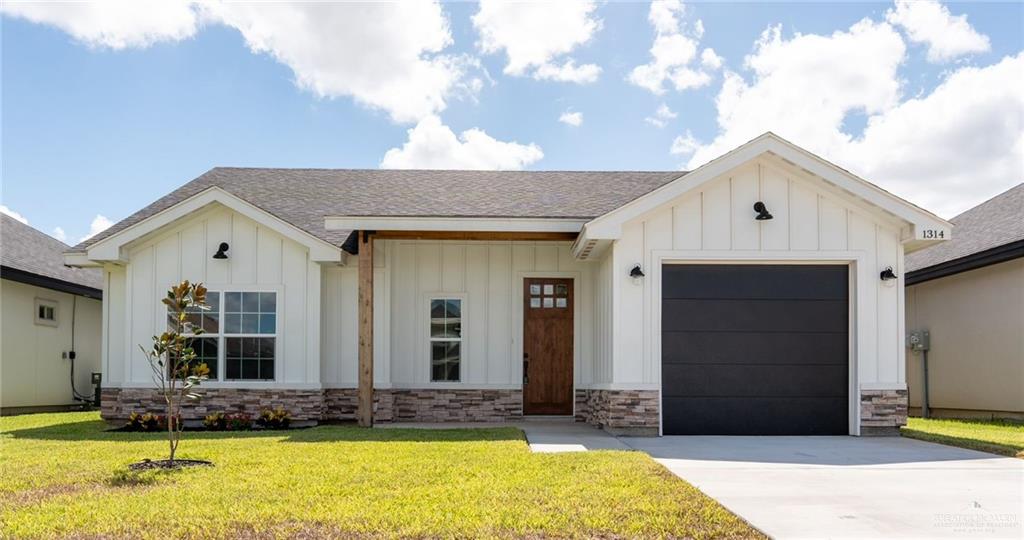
x: 620, y: 412
x: 333, y: 404
x: 882, y: 412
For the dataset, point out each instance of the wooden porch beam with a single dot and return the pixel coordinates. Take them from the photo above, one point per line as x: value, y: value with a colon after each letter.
x: 364, y: 411
x: 476, y: 235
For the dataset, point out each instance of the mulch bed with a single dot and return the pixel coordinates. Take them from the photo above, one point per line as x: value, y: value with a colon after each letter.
x: 148, y: 464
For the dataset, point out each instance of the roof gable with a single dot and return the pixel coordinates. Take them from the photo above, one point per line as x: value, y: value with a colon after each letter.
x: 112, y: 247
x: 609, y: 226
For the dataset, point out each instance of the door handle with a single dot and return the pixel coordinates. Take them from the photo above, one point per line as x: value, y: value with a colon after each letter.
x: 526, y: 368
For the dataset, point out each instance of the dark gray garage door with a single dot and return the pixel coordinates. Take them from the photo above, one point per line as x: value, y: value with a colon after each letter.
x: 755, y: 349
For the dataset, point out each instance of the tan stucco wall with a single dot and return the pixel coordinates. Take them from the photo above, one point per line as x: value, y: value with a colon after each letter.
x: 32, y: 371
x: 976, y: 320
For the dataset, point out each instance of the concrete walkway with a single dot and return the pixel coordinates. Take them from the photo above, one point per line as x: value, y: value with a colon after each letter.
x: 543, y: 434
x: 851, y: 487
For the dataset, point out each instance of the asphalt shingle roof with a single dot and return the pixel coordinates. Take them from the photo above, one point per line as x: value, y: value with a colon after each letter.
x: 304, y: 197
x: 26, y: 249
x: 993, y: 223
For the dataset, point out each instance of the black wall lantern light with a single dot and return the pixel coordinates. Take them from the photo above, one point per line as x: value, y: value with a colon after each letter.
x: 887, y: 274
x: 636, y: 273
x: 222, y: 251
x: 762, y: 211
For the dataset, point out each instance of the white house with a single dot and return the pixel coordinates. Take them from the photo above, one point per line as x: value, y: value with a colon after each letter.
x: 642, y: 302
x: 50, y: 323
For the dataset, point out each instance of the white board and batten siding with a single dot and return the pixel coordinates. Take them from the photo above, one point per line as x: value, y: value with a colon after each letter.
x: 259, y: 259
x: 715, y: 222
x: 486, y: 276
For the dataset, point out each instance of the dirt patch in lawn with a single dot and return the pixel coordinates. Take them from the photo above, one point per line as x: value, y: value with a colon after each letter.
x: 166, y: 464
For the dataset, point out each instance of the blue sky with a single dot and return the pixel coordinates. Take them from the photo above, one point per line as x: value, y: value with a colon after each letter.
x: 106, y: 108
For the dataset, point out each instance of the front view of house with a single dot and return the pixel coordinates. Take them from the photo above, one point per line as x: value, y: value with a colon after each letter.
x: 761, y: 293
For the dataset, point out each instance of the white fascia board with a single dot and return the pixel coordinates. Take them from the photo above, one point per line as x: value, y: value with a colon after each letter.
x: 609, y: 226
x: 112, y: 247
x: 395, y: 223
x: 79, y: 259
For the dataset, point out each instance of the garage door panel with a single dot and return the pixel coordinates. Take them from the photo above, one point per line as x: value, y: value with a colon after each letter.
x: 742, y: 281
x: 756, y: 416
x: 753, y: 347
x: 754, y: 315
x: 718, y: 380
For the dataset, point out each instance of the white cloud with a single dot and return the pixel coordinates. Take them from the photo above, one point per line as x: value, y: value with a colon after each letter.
x: 802, y: 93
x: 674, y: 52
x: 661, y: 117
x: 947, y: 150
x: 953, y: 148
x: 684, y: 145
x: 929, y: 22
x: 568, y: 72
x: 574, y: 119
x: 433, y: 145
x: 99, y: 224
x: 536, y: 36
x: 385, y: 55
x: 5, y: 210
x: 116, y: 24
x: 59, y: 234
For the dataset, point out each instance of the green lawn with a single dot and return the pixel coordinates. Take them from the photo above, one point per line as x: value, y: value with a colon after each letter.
x: 1002, y: 437
x: 63, y: 475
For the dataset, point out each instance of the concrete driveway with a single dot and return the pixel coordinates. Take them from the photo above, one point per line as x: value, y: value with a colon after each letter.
x: 851, y: 487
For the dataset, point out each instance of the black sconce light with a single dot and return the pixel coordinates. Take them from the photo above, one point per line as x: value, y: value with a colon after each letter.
x: 636, y: 273
x: 887, y: 274
x: 222, y: 251
x: 762, y: 211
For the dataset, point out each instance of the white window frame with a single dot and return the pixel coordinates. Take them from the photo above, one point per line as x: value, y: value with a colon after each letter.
x: 461, y: 297
x: 222, y: 336
x: 41, y: 303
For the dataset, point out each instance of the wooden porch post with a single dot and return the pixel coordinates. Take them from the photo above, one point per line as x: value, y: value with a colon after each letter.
x: 364, y: 412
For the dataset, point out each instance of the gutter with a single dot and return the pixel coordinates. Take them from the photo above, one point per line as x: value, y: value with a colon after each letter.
x: 28, y: 278
x: 998, y: 254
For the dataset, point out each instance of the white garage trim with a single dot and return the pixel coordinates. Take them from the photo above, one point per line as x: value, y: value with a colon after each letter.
x: 858, y: 274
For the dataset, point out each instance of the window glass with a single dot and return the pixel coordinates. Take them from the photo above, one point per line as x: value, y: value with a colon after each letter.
x: 239, y: 336
x: 445, y: 339
x: 45, y: 312
x: 249, y: 358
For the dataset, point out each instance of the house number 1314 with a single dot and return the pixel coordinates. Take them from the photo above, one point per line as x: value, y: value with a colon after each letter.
x: 933, y: 233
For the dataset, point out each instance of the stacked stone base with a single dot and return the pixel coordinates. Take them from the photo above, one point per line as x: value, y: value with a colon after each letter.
x: 333, y: 404
x: 882, y: 412
x: 304, y: 405
x: 620, y: 412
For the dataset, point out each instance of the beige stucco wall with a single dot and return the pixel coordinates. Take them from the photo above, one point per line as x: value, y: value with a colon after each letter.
x: 976, y: 320
x: 32, y: 370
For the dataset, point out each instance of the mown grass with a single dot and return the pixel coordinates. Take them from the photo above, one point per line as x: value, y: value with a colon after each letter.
x: 1003, y: 437
x: 62, y: 475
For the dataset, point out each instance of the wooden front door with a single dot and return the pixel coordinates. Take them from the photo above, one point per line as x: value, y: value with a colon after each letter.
x: 547, y: 346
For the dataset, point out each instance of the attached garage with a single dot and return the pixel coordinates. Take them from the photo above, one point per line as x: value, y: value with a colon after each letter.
x: 752, y: 349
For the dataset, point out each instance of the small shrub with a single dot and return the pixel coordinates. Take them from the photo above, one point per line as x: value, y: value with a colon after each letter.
x: 216, y: 422
x: 238, y: 422
x: 148, y: 422
x: 274, y: 418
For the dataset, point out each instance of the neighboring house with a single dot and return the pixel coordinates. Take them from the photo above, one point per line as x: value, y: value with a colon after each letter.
x: 48, y: 310
x: 642, y: 302
x: 968, y: 293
